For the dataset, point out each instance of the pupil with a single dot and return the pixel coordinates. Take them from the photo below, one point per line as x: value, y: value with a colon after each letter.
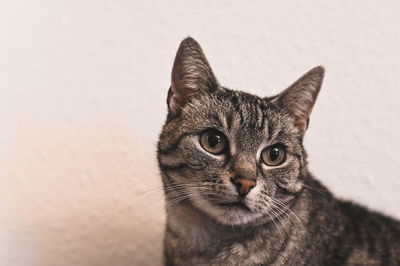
x: 213, y: 140
x: 274, y: 153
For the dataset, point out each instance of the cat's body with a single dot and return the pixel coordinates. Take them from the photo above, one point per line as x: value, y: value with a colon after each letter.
x: 237, y: 185
x: 331, y: 232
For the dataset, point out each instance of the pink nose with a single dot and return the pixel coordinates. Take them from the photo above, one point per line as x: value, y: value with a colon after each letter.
x: 243, y: 186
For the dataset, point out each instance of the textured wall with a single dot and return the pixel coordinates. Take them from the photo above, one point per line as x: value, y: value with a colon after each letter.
x: 82, y: 100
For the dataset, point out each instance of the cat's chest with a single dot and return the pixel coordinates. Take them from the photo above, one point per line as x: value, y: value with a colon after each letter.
x: 192, y: 239
x: 199, y: 247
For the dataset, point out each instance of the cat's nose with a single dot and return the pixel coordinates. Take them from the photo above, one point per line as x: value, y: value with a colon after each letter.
x: 243, y: 185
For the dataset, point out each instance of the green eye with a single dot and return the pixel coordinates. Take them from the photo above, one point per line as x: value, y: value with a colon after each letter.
x: 273, y: 155
x: 213, y: 141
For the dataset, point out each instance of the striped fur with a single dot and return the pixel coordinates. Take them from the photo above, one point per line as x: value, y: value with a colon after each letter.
x: 288, y: 218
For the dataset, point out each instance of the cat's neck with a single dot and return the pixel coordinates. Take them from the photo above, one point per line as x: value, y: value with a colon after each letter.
x: 197, y: 232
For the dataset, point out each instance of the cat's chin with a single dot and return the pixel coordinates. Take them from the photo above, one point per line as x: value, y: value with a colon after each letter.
x: 235, y: 213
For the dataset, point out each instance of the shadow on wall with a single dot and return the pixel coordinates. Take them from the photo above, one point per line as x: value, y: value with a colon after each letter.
x: 73, y: 196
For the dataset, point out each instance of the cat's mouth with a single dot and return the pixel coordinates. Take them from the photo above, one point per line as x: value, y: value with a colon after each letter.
x: 236, y: 205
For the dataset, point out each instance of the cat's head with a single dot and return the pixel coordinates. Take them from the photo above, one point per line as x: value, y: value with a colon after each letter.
x: 236, y: 157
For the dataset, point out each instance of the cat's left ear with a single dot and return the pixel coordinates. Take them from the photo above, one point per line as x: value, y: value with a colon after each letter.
x: 298, y: 100
x: 191, y: 73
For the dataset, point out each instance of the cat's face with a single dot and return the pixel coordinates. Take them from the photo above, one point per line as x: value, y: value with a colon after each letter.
x: 236, y: 157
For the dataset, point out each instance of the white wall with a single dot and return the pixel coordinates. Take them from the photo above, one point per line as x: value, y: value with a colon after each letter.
x: 82, y: 100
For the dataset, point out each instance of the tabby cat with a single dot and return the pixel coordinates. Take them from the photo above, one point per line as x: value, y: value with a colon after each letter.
x: 237, y: 187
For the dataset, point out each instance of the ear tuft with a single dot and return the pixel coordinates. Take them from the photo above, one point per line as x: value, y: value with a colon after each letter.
x: 298, y: 100
x: 191, y: 73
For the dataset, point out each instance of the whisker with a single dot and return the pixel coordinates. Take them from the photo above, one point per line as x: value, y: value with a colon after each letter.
x: 170, y: 203
x: 283, y: 205
x: 315, y: 189
x: 276, y: 214
x: 277, y: 227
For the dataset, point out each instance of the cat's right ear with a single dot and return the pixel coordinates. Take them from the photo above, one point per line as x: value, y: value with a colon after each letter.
x: 191, y: 73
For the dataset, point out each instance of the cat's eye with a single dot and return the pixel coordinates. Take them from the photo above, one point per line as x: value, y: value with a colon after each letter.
x: 213, y: 141
x: 273, y: 155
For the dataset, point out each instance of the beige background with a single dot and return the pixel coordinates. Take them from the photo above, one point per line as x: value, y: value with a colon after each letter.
x: 82, y: 100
